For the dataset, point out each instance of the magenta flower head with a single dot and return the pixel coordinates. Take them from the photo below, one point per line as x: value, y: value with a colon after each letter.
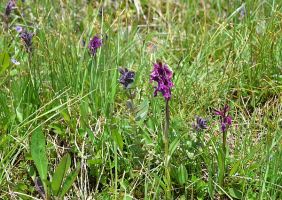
x: 126, y: 78
x: 95, y: 43
x: 162, y: 75
x: 10, y: 6
x: 225, y: 119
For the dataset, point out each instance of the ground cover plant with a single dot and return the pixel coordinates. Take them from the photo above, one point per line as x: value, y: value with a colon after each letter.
x: 141, y: 99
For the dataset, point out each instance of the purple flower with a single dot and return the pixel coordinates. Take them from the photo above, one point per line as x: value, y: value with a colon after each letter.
x: 27, y: 39
x: 10, y: 6
x: 225, y: 119
x: 19, y: 29
x: 126, y: 78
x: 200, y: 124
x: 162, y: 75
x: 95, y: 43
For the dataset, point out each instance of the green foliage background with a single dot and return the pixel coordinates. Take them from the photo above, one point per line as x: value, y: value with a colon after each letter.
x: 219, y: 55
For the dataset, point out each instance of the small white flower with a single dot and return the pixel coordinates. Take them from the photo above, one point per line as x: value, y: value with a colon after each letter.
x: 13, y: 60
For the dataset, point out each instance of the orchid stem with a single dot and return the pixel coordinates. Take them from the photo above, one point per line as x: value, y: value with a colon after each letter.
x: 166, y: 144
x: 222, y: 178
x: 224, y: 155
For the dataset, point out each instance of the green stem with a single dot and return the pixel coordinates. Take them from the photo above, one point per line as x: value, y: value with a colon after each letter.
x: 166, y: 144
x: 116, y: 171
x: 6, y: 23
x: 224, y: 157
x: 130, y: 94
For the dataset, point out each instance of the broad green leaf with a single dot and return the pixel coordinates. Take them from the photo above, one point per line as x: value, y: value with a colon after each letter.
x: 234, y: 168
x: 65, y: 115
x: 142, y: 110
x: 160, y: 181
x: 221, y: 166
x: 69, y: 181
x: 147, y: 138
x: 19, y: 114
x: 4, y: 61
x: 60, y: 173
x: 38, y: 153
x: 174, y: 145
x: 182, y: 174
x: 116, y: 136
x: 235, y: 193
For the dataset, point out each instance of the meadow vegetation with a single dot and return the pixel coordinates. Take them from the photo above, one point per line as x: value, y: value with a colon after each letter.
x: 69, y: 103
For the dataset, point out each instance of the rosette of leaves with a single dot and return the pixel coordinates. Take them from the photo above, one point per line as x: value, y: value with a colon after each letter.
x: 61, y: 181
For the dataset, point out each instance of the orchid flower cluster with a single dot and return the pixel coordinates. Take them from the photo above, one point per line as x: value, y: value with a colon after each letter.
x: 126, y: 78
x: 9, y: 7
x: 95, y: 43
x: 162, y: 75
x: 225, y: 119
x: 26, y: 37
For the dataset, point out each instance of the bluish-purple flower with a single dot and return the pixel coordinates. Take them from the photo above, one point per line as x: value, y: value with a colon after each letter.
x: 19, y: 29
x: 162, y: 75
x: 225, y: 119
x: 95, y: 43
x: 27, y: 39
x: 10, y: 6
x: 127, y: 77
x: 200, y: 124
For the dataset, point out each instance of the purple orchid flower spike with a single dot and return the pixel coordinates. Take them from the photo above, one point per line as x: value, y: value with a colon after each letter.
x: 225, y: 119
x: 126, y: 78
x: 162, y: 75
x: 95, y: 43
x: 10, y: 6
x: 26, y: 38
x: 225, y: 122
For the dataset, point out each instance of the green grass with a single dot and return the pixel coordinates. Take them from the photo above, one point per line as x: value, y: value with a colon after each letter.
x: 217, y: 58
